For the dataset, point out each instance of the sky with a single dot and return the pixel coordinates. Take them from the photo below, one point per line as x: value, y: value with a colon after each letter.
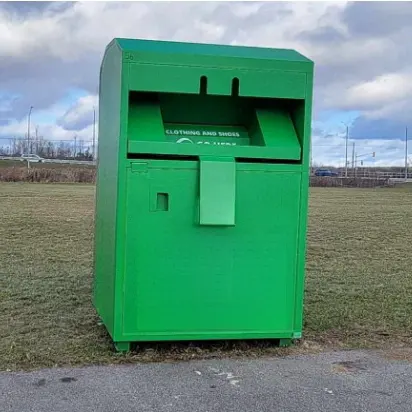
x: 50, y: 55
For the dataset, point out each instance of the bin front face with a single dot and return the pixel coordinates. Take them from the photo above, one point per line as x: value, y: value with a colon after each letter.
x: 211, y: 199
x: 188, y: 280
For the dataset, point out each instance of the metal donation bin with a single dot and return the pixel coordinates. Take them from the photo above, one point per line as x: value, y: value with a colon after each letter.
x: 202, y: 191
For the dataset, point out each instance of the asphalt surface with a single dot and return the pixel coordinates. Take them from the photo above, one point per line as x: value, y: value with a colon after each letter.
x: 333, y: 382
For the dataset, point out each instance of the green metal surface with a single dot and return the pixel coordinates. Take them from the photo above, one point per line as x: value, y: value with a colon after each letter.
x: 217, y: 191
x: 202, y: 191
x: 177, y: 49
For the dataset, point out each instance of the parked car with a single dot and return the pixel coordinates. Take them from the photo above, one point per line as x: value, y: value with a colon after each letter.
x: 30, y: 157
x: 326, y: 172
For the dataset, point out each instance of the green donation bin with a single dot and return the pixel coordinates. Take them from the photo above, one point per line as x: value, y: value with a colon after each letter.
x: 202, y: 191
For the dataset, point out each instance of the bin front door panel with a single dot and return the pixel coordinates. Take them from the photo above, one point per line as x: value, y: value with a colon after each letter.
x: 191, y: 281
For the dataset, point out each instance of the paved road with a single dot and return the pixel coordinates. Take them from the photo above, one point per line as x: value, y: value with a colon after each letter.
x: 332, y: 382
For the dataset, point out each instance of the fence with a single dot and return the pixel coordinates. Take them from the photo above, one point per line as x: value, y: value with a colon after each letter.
x: 370, y: 172
x: 360, y: 182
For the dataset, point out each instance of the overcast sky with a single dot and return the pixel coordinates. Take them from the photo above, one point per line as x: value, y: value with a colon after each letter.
x: 50, y: 54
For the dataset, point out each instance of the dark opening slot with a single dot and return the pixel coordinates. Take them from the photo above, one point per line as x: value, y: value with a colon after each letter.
x: 152, y: 156
x: 190, y: 158
x: 143, y: 97
x: 235, y: 87
x: 203, y: 85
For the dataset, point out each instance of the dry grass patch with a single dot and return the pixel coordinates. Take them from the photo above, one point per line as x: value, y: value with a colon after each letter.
x: 358, y: 289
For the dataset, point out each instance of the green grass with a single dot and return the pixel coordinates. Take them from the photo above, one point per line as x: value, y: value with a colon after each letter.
x: 359, y: 266
x: 358, y: 289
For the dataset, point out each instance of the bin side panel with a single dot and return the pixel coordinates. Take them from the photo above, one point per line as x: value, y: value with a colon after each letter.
x: 106, y: 186
x: 184, y: 279
x: 303, y: 123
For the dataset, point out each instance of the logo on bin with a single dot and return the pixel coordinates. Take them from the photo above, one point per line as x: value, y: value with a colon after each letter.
x: 184, y: 140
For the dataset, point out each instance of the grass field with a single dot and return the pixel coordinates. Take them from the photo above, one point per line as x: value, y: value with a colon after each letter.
x: 358, y: 289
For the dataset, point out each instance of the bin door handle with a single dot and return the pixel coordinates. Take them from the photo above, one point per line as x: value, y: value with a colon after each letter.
x: 217, y: 196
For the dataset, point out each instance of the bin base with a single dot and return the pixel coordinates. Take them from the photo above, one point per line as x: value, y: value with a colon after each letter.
x: 126, y: 346
x: 284, y: 343
x: 122, y: 346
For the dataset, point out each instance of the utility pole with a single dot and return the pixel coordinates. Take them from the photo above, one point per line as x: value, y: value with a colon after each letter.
x: 356, y: 164
x: 346, y: 149
x: 94, y: 133
x: 28, y: 130
x: 81, y: 146
x: 353, y: 156
x: 406, y: 152
x: 75, y: 145
x: 37, y: 139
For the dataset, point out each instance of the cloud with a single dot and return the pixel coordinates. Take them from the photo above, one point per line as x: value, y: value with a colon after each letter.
x: 65, y: 44
x: 329, y: 150
x: 377, y: 128
x: 373, y: 94
x: 362, y: 53
x: 75, y: 121
x: 79, y: 116
x: 383, y: 18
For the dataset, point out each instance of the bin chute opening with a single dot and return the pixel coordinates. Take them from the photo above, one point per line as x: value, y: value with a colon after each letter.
x: 235, y: 87
x: 203, y: 85
x: 216, y: 120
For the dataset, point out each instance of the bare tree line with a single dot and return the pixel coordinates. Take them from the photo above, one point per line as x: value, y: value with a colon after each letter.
x: 48, y: 149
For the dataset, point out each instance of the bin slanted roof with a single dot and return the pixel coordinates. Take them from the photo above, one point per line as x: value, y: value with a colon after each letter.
x: 166, y: 47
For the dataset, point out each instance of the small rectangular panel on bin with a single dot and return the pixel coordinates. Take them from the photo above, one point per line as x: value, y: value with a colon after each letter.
x: 217, y: 191
x: 159, y: 78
